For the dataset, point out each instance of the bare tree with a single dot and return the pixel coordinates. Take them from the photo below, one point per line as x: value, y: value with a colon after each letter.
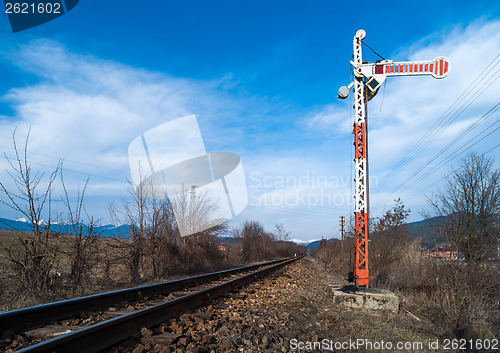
x: 256, y: 243
x: 82, y: 238
x: 134, y: 218
x: 465, y: 216
x: 34, y: 255
x: 151, y: 230
x: 198, y: 223
x: 169, y: 233
x: 388, y: 240
x: 328, y: 252
x: 195, y: 211
x: 161, y: 233
x: 281, y: 233
x: 468, y: 207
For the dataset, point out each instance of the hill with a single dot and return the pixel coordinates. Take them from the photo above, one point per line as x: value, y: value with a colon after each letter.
x: 419, y: 229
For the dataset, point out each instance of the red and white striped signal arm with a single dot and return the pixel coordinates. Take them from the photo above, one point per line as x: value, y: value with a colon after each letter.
x: 437, y: 68
x: 376, y: 73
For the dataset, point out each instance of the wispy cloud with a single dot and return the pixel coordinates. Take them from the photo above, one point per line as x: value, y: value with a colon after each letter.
x: 87, y: 110
x: 330, y: 120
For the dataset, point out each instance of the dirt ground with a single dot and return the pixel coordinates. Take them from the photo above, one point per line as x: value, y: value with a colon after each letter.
x: 290, y: 311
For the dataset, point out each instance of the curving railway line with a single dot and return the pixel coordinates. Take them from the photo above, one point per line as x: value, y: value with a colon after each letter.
x: 112, y: 317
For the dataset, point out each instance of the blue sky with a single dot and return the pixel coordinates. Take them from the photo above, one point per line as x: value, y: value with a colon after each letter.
x: 262, y: 78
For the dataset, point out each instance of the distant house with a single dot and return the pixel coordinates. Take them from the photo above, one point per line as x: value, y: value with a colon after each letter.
x: 444, y: 253
x: 222, y: 247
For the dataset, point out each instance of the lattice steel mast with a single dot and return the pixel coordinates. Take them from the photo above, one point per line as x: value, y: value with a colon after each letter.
x: 368, y: 77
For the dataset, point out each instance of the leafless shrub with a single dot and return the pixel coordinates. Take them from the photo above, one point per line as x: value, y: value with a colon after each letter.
x: 467, y: 218
x: 465, y: 296
x: 195, y: 211
x: 459, y: 295
x: 154, y: 246
x: 200, y: 251
x: 161, y: 233
x: 284, y: 247
x: 459, y: 298
x: 388, y: 242
x: 82, y: 240
x: 466, y: 211
x: 34, y: 255
x: 256, y: 243
x: 135, y: 219
x: 337, y: 256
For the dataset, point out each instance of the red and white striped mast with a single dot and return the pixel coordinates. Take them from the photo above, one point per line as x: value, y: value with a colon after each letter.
x: 369, y: 77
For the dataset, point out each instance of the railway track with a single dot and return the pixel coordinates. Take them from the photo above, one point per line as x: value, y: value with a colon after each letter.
x: 104, y: 326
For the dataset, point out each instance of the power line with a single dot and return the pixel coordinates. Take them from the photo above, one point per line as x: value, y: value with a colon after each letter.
x: 464, y: 106
x: 464, y: 94
x: 437, y: 128
x: 457, y: 152
x: 70, y: 160
x: 420, y: 192
x: 69, y: 170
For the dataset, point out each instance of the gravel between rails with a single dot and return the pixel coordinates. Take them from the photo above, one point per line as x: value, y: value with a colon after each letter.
x: 14, y: 340
x: 292, y: 304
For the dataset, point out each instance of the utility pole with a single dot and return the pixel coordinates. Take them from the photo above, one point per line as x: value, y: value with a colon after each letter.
x: 341, y: 225
x: 368, y: 77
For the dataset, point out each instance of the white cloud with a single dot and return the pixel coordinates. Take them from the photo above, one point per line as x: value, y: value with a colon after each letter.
x: 330, y: 120
x: 87, y: 110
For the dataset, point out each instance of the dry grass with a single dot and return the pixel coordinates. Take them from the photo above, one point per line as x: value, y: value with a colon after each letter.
x: 109, y: 268
x: 460, y: 299
x: 9, y: 238
x: 455, y: 298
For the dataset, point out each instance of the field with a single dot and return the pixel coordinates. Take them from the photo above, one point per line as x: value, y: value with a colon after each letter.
x: 70, y: 266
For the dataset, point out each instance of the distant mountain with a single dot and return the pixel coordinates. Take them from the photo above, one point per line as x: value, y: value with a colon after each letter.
x: 22, y: 225
x: 423, y: 230
x: 312, y: 245
x: 19, y: 225
x: 228, y: 240
x: 300, y: 242
x: 420, y: 229
x: 423, y: 227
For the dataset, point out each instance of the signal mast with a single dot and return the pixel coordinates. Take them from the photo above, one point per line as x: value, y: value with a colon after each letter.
x: 368, y: 77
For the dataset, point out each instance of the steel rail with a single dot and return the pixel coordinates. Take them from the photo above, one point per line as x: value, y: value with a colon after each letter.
x: 107, y: 333
x: 28, y: 317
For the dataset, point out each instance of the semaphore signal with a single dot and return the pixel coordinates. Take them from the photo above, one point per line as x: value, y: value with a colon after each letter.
x: 368, y: 77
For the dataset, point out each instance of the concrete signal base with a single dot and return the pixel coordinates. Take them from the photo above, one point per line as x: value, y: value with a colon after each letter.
x: 365, y: 298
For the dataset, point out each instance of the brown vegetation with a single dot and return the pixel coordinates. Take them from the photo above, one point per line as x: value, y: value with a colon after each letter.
x: 109, y: 265
x: 459, y: 295
x: 33, y: 256
x: 41, y: 265
x: 258, y: 245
